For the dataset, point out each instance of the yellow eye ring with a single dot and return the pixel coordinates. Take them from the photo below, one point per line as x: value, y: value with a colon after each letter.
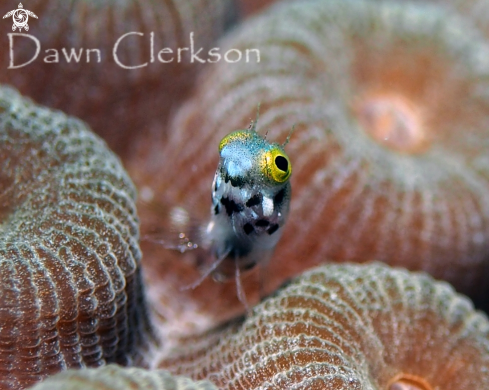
x: 277, y: 165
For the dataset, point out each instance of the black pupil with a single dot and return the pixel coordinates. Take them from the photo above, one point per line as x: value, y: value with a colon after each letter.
x: 281, y: 163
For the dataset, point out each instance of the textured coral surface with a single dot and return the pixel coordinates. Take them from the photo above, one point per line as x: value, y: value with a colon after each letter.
x: 348, y: 327
x: 133, y: 101
x: 389, y: 154
x: 70, y: 287
x: 115, y: 378
x: 390, y: 159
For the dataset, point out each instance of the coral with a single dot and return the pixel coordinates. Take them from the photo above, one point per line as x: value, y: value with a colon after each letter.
x: 71, y: 293
x: 134, y: 100
x: 348, y: 327
x: 254, y: 6
x: 390, y: 105
x: 113, y: 377
x: 475, y: 10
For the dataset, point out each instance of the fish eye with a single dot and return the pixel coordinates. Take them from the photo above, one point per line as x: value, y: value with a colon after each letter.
x: 282, y: 163
x: 277, y: 165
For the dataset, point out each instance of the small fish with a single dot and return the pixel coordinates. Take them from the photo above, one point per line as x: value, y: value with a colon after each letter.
x: 250, y: 204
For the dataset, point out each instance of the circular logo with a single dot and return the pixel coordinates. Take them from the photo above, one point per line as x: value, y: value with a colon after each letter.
x: 20, y: 17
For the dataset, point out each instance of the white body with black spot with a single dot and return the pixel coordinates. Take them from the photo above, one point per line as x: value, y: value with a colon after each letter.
x: 250, y: 202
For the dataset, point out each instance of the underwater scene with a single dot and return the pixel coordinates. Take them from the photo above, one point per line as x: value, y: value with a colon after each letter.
x: 244, y: 194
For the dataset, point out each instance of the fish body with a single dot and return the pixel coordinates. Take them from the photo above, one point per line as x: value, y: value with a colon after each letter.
x: 250, y: 202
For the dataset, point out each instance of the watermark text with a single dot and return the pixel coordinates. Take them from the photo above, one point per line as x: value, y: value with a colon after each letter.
x: 190, y: 54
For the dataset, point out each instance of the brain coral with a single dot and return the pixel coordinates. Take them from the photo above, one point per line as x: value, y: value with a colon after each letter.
x: 97, y: 88
x: 348, y: 327
x: 113, y: 377
x: 70, y: 287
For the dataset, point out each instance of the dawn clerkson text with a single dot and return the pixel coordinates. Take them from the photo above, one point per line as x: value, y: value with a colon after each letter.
x: 189, y: 54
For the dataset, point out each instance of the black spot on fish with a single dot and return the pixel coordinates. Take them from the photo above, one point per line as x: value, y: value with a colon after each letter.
x: 248, y: 228
x: 273, y: 229
x: 238, y: 182
x: 255, y: 200
x: 216, y: 209
x: 278, y: 199
x: 231, y: 206
x: 262, y: 223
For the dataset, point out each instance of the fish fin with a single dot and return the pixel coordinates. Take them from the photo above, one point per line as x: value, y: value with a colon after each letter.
x: 240, y: 291
x: 182, y: 243
x: 263, y: 270
x: 215, y: 264
x: 172, y: 228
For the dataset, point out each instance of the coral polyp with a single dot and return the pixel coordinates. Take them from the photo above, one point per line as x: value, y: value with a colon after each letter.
x: 113, y: 377
x: 392, y: 121
x: 336, y: 327
x: 409, y: 382
x: 348, y: 327
x: 71, y: 293
x: 390, y: 104
x: 88, y: 47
